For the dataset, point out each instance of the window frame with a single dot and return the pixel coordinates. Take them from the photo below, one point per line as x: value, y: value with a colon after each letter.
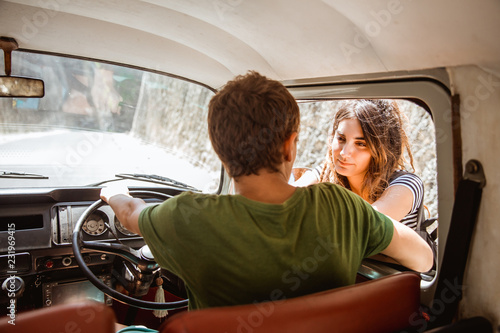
x: 429, y: 90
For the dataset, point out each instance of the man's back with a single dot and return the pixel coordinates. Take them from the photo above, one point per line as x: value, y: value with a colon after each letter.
x: 248, y: 251
x: 253, y: 124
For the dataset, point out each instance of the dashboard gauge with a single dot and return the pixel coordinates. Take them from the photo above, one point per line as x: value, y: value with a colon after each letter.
x: 95, y: 225
x: 122, y: 229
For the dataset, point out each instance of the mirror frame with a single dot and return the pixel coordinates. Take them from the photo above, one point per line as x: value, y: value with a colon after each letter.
x: 16, y: 86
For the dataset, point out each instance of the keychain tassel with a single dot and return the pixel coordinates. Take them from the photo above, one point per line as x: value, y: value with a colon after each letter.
x: 160, y: 298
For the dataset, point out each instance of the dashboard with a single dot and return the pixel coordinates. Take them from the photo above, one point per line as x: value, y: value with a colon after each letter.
x: 37, y: 265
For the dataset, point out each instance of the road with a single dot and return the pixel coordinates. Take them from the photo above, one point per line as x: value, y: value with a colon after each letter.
x: 76, y: 158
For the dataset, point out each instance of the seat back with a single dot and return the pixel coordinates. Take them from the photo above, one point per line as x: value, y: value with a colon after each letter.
x: 91, y: 317
x: 384, y: 305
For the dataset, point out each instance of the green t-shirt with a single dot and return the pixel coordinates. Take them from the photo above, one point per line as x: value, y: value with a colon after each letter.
x: 232, y: 250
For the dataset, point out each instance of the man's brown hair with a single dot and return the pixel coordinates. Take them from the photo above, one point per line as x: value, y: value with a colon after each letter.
x: 249, y: 119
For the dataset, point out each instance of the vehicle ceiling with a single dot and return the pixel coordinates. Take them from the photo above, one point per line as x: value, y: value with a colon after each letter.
x: 211, y: 41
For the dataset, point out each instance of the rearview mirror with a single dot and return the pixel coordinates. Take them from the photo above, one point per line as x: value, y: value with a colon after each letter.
x: 15, y: 86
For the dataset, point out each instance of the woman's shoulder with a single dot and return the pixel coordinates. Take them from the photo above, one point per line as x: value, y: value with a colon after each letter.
x: 414, y: 183
x: 411, y: 181
x: 403, y: 176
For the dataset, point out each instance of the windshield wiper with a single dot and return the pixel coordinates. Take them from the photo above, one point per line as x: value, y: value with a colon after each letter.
x: 156, y: 179
x: 11, y: 174
x: 149, y: 178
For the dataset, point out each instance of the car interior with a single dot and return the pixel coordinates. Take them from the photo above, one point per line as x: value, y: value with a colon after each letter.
x: 94, y: 93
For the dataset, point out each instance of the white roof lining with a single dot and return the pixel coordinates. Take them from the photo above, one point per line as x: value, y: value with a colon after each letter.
x: 272, y: 37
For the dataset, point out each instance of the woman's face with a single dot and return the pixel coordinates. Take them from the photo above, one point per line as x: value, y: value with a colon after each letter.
x: 351, y: 155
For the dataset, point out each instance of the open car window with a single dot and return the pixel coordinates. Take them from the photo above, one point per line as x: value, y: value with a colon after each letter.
x: 316, y: 125
x: 316, y: 122
x: 98, y: 120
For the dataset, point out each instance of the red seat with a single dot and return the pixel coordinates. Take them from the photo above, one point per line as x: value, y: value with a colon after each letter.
x: 384, y: 305
x: 81, y: 317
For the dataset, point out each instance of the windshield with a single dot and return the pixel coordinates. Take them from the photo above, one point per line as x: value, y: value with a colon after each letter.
x: 97, y: 120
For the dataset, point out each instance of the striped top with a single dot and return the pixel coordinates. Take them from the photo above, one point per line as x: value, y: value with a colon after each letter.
x: 410, y: 181
x: 415, y: 185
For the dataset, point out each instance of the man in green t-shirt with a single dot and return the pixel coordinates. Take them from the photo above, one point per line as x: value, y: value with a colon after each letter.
x: 269, y: 240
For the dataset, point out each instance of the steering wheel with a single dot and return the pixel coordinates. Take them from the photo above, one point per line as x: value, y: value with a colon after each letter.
x: 141, y: 260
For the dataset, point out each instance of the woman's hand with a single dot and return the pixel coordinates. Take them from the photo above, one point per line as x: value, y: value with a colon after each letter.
x: 306, y: 179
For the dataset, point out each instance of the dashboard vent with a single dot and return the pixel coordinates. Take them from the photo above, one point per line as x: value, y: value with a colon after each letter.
x: 23, y: 222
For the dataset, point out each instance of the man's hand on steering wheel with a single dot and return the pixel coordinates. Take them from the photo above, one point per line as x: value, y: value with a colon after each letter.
x: 112, y: 190
x: 140, y: 262
x: 127, y: 209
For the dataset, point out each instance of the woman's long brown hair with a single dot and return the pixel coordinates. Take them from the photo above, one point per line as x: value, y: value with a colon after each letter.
x: 382, y: 126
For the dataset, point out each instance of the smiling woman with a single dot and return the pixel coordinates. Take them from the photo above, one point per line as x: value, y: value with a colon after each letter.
x: 96, y: 121
x: 316, y: 132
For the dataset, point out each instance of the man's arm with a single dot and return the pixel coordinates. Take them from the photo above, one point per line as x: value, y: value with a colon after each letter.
x: 126, y: 208
x: 409, y: 249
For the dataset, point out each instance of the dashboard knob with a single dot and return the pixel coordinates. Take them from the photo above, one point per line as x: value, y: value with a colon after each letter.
x: 13, y: 286
x: 146, y: 253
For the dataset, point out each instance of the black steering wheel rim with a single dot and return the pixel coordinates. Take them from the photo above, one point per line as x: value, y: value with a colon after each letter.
x: 77, y: 245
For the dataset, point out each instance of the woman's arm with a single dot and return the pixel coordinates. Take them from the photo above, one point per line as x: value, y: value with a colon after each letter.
x: 396, y: 202
x: 308, y: 178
